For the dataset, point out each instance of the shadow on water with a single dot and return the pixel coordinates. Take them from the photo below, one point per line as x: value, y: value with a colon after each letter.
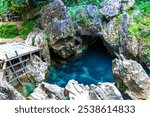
x: 94, y: 66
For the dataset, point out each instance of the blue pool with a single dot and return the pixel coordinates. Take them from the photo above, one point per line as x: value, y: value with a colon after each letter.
x: 95, y: 65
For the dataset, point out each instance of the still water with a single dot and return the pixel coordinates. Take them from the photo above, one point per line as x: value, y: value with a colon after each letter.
x: 95, y: 65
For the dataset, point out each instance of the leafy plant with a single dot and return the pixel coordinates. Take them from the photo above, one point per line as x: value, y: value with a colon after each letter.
x: 8, y: 31
x: 27, y: 27
x: 28, y: 88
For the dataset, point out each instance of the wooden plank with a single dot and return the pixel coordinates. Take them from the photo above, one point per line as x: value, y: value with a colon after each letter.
x: 20, y: 59
x: 16, y: 78
x: 14, y: 65
x: 15, y: 72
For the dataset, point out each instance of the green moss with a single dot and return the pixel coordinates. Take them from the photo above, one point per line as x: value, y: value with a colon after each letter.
x: 8, y: 31
x: 27, y: 27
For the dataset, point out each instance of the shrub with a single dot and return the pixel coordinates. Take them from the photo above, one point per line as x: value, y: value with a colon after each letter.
x: 27, y: 27
x: 8, y: 31
x: 28, y: 89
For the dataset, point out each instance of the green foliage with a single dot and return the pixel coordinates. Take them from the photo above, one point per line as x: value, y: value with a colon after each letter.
x: 12, y: 5
x: 8, y: 31
x: 27, y: 27
x: 82, y: 2
x: 78, y: 15
x: 73, y: 11
x: 28, y: 88
x: 141, y: 25
x: 47, y: 38
x: 134, y: 30
x: 144, y: 7
x: 117, y: 40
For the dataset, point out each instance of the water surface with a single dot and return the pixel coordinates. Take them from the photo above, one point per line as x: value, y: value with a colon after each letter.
x: 94, y: 66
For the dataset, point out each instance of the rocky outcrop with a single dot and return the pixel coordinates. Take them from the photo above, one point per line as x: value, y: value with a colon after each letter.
x: 38, y: 94
x: 37, y: 68
x: 38, y: 38
x: 56, y: 22
x: 128, y: 46
x: 110, y: 8
x: 56, y: 91
x: 88, y: 21
x: 126, y: 4
x: 131, y: 78
x: 8, y: 92
x: 101, y: 91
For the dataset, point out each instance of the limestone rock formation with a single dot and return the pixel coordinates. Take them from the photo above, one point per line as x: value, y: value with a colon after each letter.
x: 131, y: 78
x: 56, y: 91
x: 37, y: 68
x: 56, y: 22
x: 110, y: 8
x: 88, y: 21
x: 8, y: 92
x: 38, y: 38
x: 102, y: 91
x: 128, y: 46
x: 38, y: 94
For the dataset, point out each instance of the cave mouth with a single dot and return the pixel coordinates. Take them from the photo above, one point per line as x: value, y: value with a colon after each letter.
x: 93, y: 66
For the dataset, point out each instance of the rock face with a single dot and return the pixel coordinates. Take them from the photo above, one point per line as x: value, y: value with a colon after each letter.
x: 38, y: 39
x: 7, y: 92
x: 110, y: 8
x: 128, y: 46
x: 37, y: 68
x: 88, y: 21
x: 56, y: 21
x: 102, y: 91
x: 131, y: 78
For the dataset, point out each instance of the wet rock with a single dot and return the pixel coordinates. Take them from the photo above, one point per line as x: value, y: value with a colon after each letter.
x: 102, y: 91
x: 37, y: 68
x: 38, y: 38
x: 110, y: 8
x: 56, y: 22
x: 8, y: 92
x: 131, y: 78
x: 88, y: 21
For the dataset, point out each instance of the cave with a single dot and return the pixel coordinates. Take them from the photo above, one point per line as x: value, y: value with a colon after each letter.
x: 93, y: 66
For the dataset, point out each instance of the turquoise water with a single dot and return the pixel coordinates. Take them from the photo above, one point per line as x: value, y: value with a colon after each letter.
x: 94, y: 66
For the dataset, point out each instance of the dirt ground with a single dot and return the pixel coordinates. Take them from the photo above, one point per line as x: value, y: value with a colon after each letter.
x: 11, y: 40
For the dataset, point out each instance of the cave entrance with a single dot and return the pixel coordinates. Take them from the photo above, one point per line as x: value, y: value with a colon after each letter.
x: 95, y: 65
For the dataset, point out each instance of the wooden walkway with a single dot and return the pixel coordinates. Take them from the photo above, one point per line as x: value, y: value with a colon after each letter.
x: 16, y: 51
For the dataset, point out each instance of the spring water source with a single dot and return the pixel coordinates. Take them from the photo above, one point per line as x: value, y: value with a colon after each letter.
x: 94, y: 66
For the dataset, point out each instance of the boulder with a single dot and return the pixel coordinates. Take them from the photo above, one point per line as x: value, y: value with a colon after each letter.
x: 38, y: 38
x: 37, y: 68
x: 102, y: 91
x: 131, y: 78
